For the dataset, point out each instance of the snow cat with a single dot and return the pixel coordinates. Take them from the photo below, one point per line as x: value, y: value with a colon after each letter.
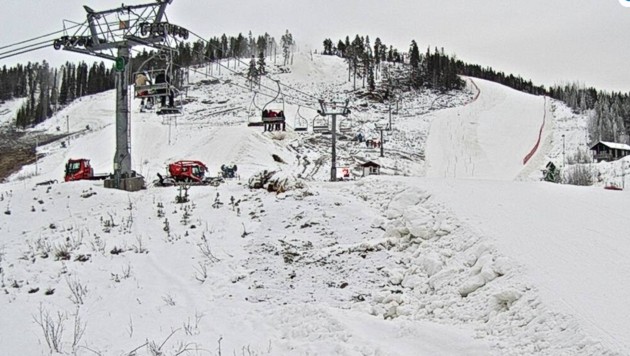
x: 80, y: 169
x: 187, y: 172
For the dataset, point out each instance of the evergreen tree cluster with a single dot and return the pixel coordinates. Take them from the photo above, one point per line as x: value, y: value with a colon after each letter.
x: 216, y: 48
x: 433, y: 70
x: 47, y: 89
x: 13, y: 82
x: 609, y: 112
x: 487, y: 73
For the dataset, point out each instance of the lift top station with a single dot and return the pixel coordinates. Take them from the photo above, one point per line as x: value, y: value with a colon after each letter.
x: 111, y: 34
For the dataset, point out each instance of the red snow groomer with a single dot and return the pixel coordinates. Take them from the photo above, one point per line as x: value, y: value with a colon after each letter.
x: 188, y: 172
x: 80, y: 169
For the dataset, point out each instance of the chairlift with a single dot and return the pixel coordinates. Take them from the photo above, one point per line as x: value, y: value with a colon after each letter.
x: 154, y: 83
x: 301, y: 123
x: 254, y: 118
x: 345, y: 125
x: 273, y: 116
x: 320, y: 124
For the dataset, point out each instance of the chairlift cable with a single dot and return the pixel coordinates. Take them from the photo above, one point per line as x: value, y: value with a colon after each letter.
x: 240, y: 61
x: 233, y: 83
x: 25, y: 47
x: 238, y: 74
x: 30, y: 50
x: 39, y: 37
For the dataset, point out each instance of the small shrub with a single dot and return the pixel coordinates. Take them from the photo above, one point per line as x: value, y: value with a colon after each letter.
x: 62, y: 253
x: 578, y: 175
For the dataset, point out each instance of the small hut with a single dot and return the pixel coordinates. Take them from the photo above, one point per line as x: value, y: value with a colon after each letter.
x: 371, y: 168
x: 609, y: 151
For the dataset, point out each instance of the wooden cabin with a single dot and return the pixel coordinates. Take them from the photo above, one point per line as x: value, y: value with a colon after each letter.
x: 609, y: 151
x: 370, y: 168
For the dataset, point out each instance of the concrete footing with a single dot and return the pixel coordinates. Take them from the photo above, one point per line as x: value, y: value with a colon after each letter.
x: 132, y: 184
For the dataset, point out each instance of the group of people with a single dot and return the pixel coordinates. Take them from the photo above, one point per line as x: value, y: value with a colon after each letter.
x: 271, y: 113
x: 143, y: 79
x: 373, y: 144
x: 276, y: 125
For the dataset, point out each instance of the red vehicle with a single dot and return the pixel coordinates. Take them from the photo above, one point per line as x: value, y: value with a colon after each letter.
x: 80, y: 169
x: 188, y: 172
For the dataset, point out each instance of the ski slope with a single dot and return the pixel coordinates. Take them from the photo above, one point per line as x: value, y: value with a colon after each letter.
x: 486, y: 139
x: 568, y: 239
x: 398, y: 264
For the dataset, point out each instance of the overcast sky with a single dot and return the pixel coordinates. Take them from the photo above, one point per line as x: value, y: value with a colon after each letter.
x: 548, y: 41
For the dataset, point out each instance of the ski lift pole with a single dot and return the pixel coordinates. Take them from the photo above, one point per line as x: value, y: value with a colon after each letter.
x: 343, y: 111
x: 382, y: 144
x: 382, y: 128
x: 390, y: 123
x: 623, y: 174
x: 36, y: 158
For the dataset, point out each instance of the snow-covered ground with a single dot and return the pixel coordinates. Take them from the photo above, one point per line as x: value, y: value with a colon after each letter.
x: 464, y: 261
x: 8, y: 111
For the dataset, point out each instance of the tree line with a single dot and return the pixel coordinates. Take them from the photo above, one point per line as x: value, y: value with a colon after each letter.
x: 434, y: 69
x: 48, y: 89
x: 609, y: 113
x: 195, y: 53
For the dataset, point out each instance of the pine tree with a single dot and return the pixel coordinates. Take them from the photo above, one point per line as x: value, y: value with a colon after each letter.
x: 377, y: 55
x: 341, y: 48
x: 328, y: 44
x: 414, y: 62
x: 286, y: 41
x: 54, y: 91
x: 252, y: 73
x: 63, y: 90
x: 371, y: 83
x: 262, y: 70
x: 224, y: 47
x: 261, y: 44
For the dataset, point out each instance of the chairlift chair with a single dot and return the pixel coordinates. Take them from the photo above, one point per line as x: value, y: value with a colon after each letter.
x: 153, y: 83
x: 301, y: 123
x: 254, y: 118
x: 320, y: 124
x: 273, y: 116
x: 345, y: 125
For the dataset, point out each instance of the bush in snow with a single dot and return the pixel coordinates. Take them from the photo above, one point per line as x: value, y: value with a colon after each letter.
x: 278, y: 182
x: 578, y: 175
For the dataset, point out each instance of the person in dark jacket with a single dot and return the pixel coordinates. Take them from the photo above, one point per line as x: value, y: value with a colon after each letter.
x: 164, y: 78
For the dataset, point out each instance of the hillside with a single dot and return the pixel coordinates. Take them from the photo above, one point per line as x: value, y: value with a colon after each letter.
x: 441, y: 255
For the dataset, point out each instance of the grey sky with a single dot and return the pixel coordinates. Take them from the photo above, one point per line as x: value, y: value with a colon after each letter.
x: 548, y: 41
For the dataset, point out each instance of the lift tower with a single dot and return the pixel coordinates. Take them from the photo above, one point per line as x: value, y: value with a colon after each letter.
x: 336, y: 108
x: 111, y: 34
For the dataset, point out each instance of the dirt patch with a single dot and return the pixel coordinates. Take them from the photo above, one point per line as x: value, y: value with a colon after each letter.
x: 18, y: 149
x: 12, y: 160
